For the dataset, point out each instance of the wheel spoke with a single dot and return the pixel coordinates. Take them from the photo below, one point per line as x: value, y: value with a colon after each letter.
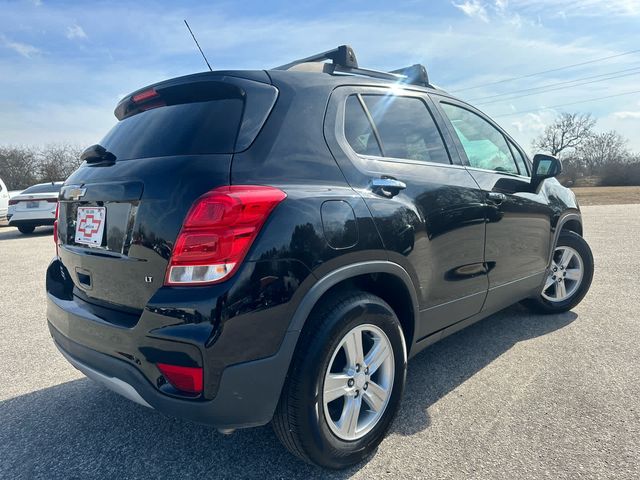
x: 567, y: 255
x: 335, y: 386
x: 376, y: 356
x: 561, y: 290
x: 375, y: 396
x: 550, y: 281
x: 350, y: 414
x: 353, y: 348
x: 572, y: 274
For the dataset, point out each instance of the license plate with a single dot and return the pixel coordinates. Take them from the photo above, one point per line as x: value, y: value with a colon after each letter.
x: 35, y: 204
x: 90, y: 225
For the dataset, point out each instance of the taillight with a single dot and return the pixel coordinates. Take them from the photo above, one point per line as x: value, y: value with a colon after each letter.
x: 13, y: 202
x: 55, y: 228
x: 186, y: 379
x: 218, y: 231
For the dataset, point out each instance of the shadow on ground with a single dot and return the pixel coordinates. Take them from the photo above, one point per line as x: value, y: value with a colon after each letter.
x: 80, y: 430
x: 9, y: 233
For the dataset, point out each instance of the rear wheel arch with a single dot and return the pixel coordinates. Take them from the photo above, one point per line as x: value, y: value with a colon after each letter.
x: 385, y: 279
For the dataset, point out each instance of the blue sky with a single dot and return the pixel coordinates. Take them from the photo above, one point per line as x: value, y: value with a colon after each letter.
x: 64, y: 65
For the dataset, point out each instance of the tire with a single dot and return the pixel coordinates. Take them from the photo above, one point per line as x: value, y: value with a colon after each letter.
x: 301, y: 421
x: 547, y: 302
x: 26, y: 229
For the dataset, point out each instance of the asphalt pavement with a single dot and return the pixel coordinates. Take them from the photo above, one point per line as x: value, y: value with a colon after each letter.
x: 515, y: 396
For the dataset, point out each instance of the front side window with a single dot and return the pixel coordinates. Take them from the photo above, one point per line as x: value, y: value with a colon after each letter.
x: 484, y: 145
x: 405, y: 128
x: 520, y: 161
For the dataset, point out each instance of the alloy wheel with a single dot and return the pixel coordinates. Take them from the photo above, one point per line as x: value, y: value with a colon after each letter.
x: 358, y: 382
x: 565, y: 275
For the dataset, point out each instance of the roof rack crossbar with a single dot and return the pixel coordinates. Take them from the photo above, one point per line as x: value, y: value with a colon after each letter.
x: 415, y: 74
x: 343, y: 56
x: 344, y: 61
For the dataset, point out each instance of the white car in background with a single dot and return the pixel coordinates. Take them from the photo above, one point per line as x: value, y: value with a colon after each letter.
x: 34, y: 207
x: 4, y: 200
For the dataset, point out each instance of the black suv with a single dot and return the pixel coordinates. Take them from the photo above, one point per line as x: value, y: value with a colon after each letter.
x: 255, y: 246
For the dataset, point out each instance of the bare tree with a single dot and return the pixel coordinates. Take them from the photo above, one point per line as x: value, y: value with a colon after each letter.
x: 567, y: 132
x: 58, y: 161
x: 602, y: 150
x: 21, y: 167
x: 18, y: 167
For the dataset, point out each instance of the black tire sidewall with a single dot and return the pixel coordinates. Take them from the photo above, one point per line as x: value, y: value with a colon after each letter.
x: 321, y: 443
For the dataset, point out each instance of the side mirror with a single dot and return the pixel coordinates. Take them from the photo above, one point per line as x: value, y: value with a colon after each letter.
x: 544, y: 166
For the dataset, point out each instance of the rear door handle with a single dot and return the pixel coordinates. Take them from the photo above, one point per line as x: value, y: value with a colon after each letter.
x: 387, y: 187
x: 496, y: 197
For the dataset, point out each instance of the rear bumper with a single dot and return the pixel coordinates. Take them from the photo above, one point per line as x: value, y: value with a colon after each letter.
x: 247, y: 396
x: 13, y: 222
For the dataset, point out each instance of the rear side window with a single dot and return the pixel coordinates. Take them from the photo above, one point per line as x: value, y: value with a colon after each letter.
x: 44, y: 188
x: 358, y: 129
x: 182, y: 129
x: 404, y: 125
x: 484, y: 144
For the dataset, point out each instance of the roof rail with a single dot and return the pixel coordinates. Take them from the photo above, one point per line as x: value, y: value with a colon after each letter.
x: 344, y: 61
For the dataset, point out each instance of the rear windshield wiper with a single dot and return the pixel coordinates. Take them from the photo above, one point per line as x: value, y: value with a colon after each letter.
x: 97, y: 154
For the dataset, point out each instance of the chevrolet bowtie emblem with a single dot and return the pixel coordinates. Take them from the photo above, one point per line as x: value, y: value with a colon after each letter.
x: 76, y: 193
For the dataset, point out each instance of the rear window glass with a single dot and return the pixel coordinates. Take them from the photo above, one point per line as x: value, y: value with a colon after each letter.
x: 46, y: 188
x: 183, y: 129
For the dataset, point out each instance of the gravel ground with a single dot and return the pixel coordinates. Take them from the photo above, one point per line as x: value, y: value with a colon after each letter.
x: 514, y: 396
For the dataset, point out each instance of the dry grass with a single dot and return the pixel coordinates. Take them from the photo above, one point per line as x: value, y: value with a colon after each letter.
x: 607, y: 195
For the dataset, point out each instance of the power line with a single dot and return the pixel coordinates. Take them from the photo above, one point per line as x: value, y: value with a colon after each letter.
x: 535, y: 74
x: 566, y: 104
x: 555, y: 89
x: 553, y: 84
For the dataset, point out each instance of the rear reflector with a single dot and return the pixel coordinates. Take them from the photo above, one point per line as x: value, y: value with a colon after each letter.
x: 218, y: 231
x: 186, y: 379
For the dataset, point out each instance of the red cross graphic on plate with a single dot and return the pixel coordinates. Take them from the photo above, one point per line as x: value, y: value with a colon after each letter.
x: 89, y: 225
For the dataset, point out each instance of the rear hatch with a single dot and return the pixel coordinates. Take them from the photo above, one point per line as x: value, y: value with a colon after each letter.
x: 120, y: 213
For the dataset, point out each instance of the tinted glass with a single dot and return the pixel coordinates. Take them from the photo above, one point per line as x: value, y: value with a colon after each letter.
x: 406, y: 128
x: 357, y: 129
x: 484, y: 145
x: 520, y: 161
x: 44, y: 188
x: 183, y: 129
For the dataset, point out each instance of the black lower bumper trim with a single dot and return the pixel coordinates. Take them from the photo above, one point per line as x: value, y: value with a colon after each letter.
x: 248, y: 393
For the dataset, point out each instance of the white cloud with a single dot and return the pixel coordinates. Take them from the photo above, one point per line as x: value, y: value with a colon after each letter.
x: 75, y: 31
x: 24, y: 49
x: 625, y: 115
x: 473, y: 9
x: 585, y: 8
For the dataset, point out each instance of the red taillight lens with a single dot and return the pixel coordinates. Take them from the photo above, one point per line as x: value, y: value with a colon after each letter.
x: 13, y: 202
x: 186, y: 379
x: 218, y: 231
x: 55, y: 228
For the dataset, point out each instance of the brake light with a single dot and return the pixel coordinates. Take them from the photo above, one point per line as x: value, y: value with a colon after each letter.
x: 13, y: 202
x: 55, y: 228
x: 218, y: 231
x: 146, y: 95
x: 186, y: 379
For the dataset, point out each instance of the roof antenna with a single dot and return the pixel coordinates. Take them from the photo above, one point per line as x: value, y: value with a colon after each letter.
x: 198, y: 45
